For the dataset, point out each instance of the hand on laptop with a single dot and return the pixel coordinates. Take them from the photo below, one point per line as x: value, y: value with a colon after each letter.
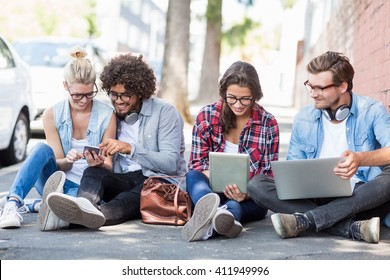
x: 347, y: 167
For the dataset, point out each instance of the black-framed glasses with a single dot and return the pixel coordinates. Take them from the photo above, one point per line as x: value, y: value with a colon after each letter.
x: 123, y: 96
x: 245, y: 101
x: 79, y: 96
x: 317, y: 89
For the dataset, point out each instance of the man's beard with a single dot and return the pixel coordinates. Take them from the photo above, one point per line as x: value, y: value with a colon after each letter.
x: 121, y: 115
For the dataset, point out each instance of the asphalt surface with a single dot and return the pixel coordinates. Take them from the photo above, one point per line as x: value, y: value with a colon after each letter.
x: 135, y: 240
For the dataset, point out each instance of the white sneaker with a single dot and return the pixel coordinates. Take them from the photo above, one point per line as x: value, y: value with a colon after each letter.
x: 198, y: 227
x: 47, y: 220
x: 224, y: 223
x: 75, y: 210
x: 10, y: 217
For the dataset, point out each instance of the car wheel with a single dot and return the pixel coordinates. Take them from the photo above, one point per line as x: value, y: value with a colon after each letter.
x: 16, y: 151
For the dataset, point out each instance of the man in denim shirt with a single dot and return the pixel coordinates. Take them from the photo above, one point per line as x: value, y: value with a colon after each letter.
x: 339, y: 123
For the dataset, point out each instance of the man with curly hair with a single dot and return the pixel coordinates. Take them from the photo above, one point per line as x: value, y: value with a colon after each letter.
x: 149, y: 142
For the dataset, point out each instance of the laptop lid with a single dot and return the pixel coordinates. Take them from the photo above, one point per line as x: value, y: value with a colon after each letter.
x: 227, y: 169
x: 309, y: 178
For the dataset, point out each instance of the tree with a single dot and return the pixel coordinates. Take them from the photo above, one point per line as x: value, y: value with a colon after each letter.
x: 174, y: 86
x: 208, y: 85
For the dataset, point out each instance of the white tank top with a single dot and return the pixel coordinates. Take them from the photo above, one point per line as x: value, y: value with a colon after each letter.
x: 230, y: 148
x: 80, y: 165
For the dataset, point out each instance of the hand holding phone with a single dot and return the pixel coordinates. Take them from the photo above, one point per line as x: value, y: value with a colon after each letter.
x: 92, y: 149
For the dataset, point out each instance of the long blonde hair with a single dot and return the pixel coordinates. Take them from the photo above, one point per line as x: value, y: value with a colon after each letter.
x: 79, y: 69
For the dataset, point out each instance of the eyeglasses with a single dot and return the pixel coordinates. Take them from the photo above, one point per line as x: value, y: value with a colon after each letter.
x: 79, y: 96
x: 245, y: 101
x: 317, y: 89
x: 124, y: 96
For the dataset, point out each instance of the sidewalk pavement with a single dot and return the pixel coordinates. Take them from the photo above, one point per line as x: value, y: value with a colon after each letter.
x: 134, y: 240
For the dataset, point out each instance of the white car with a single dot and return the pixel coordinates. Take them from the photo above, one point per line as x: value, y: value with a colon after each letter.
x: 47, y: 57
x: 16, y: 106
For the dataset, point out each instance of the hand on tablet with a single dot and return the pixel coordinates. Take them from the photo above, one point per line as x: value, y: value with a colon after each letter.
x: 233, y: 192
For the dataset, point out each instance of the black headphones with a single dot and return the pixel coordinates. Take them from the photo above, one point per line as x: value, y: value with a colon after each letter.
x: 340, y: 114
x: 132, y: 117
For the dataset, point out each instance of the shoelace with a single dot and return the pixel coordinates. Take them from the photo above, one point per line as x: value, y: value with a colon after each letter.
x: 23, y: 209
x: 7, y: 212
x: 355, y: 231
x: 208, y: 233
x: 302, y: 223
x: 223, y: 207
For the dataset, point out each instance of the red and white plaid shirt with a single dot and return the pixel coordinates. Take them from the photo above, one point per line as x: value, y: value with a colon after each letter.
x: 259, y: 139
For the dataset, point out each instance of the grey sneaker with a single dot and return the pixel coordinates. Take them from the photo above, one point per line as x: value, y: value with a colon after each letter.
x: 10, y: 217
x: 200, y: 222
x: 75, y: 210
x: 224, y: 223
x: 289, y: 225
x: 47, y: 220
x: 366, y: 230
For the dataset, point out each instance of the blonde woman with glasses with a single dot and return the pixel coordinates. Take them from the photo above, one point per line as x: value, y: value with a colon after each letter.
x: 57, y: 166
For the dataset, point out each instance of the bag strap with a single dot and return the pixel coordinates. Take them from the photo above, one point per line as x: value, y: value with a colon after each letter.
x: 167, y: 177
x: 176, y: 204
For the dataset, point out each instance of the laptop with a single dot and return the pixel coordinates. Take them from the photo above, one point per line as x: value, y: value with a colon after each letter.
x: 227, y: 169
x: 309, y: 178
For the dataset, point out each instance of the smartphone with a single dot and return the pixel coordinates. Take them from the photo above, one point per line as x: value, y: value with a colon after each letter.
x: 92, y: 148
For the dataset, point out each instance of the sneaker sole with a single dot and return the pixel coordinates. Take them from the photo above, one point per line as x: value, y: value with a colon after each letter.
x: 374, y: 227
x: 225, y: 225
x: 68, y: 210
x: 55, y: 183
x: 278, y: 226
x: 10, y: 225
x: 201, y: 219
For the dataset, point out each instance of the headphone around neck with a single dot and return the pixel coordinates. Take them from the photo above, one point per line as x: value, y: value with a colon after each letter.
x: 340, y: 114
x: 132, y: 117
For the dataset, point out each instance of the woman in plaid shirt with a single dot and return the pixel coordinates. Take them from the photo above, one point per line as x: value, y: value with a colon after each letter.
x: 233, y: 124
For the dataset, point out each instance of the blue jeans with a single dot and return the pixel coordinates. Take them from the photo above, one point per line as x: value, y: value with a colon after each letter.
x: 334, y: 215
x: 246, y: 211
x: 35, y: 170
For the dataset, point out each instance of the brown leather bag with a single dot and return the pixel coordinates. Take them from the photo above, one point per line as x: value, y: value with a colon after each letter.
x: 164, y: 203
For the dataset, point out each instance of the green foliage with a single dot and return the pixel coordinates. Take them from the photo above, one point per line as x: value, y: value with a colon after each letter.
x: 237, y: 34
x: 214, y: 11
x: 91, y: 19
x: 47, y: 21
x: 288, y: 4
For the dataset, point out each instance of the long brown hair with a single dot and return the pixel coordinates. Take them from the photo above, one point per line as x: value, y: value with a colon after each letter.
x: 242, y: 74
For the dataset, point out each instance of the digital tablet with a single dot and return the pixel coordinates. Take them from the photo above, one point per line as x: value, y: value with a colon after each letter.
x: 228, y: 169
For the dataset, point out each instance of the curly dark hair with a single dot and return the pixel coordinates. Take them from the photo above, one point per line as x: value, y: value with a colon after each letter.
x: 132, y: 72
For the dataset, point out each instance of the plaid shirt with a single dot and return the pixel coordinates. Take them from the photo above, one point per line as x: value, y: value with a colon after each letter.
x: 259, y: 139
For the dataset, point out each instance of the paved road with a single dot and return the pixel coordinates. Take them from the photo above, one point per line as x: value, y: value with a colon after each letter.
x: 134, y: 240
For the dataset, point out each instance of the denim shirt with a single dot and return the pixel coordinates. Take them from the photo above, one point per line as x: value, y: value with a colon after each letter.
x: 100, y: 117
x: 367, y: 128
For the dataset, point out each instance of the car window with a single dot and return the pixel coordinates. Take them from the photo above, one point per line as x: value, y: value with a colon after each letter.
x: 6, y: 60
x: 44, y: 54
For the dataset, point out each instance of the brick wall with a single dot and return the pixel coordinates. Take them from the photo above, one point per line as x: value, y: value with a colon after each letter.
x: 360, y: 30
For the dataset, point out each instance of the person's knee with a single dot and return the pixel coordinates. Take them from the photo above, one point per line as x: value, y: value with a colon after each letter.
x: 192, y: 177
x: 255, y: 183
x: 41, y: 148
x: 92, y: 171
